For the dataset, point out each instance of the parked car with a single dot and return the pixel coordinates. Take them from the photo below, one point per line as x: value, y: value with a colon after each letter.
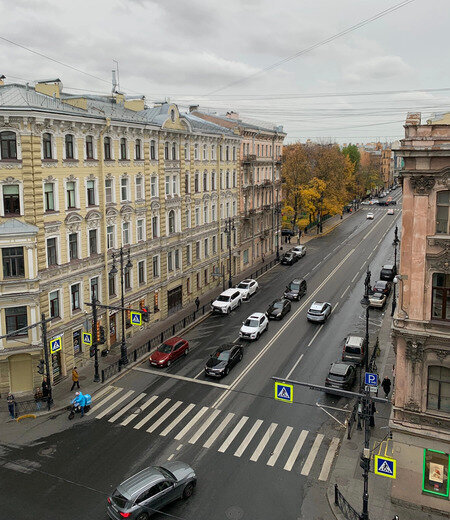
x: 319, y: 312
x: 390, y: 211
x: 341, y: 375
x: 278, y: 309
x: 169, y: 351
x: 289, y: 258
x: 223, y: 360
x: 299, y: 251
x: 247, y: 288
x: 287, y: 233
x: 370, y: 216
x: 374, y: 201
x: 377, y: 299
x: 388, y: 272
x: 152, y: 488
x: 382, y: 286
x: 393, y: 202
x: 296, y: 289
x: 353, y: 349
x: 227, y: 301
x: 254, y: 326
x: 383, y: 203
x: 365, y: 202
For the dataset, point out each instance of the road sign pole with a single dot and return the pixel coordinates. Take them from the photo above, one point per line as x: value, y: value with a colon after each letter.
x: 94, y: 337
x: 47, y: 360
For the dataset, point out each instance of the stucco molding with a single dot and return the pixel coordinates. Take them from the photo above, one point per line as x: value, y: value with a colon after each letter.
x: 73, y: 222
x: 414, y: 351
x: 441, y: 262
x: 422, y: 185
x: 441, y: 353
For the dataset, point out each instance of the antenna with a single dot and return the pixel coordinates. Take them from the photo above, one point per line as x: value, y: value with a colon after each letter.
x: 117, y: 83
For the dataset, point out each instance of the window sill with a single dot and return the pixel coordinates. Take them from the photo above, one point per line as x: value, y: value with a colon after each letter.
x: 49, y: 160
x: 55, y: 319
x: 75, y: 312
x: 15, y: 161
x: 73, y: 209
x: 70, y: 161
x: 91, y: 159
x: 11, y: 215
x: 13, y: 278
x: 124, y: 160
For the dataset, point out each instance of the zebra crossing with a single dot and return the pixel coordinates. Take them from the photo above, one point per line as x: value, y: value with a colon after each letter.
x: 305, y: 452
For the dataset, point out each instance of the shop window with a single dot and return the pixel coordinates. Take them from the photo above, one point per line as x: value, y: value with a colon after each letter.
x: 435, y: 473
x: 76, y: 340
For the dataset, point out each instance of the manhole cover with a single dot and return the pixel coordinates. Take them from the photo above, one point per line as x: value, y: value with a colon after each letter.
x: 234, y: 513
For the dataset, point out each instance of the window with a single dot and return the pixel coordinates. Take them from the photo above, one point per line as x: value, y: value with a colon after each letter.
x: 205, y: 213
x: 155, y: 227
x: 70, y: 191
x: 205, y: 276
x: 442, y: 212
x: 68, y: 142
x: 228, y: 209
x: 154, y: 186
x: 227, y: 153
x: 188, y: 286
x: 125, y: 233
x: 109, y: 192
x: 107, y: 148
x: 221, y: 179
x: 205, y: 152
x: 171, y: 221
x: 177, y: 258
x: 174, y: 185
x: 49, y: 196
x: 195, y: 152
x: 11, y: 199
x: 188, y: 254
x: 198, y: 280
x: 438, y: 394
x: 13, y: 262
x: 137, y: 150
x: 197, y: 216
x: 124, y: 189
x: 141, y: 272
x: 440, y: 305
x: 155, y: 265
x: 140, y: 227
x: 186, y: 151
x: 188, y: 218
x: 167, y: 184
x: 89, y: 147
x: 75, y: 296
x: 8, y: 145
x: 206, y: 247
x: 234, y: 208
x: 174, y: 151
x: 73, y: 246
x: 152, y: 150
x: 52, y: 258
x: 221, y: 152
x: 110, y: 237
x: 213, y: 181
x: 197, y: 250
x: 111, y: 284
x: 205, y: 181
x: 93, y: 292
x: 139, y: 188
x: 47, y: 146
x: 93, y: 242
x: 166, y: 151
x: 16, y: 318
x: 127, y: 279
x: 90, y: 190
x: 234, y: 179
x: 214, y: 245
x: 213, y: 152
x: 196, y: 182
x: 123, y: 149
x: 234, y: 153
x: 169, y: 261
x: 257, y: 150
x: 245, y: 256
x: 213, y: 213
x: 228, y: 179
x: 187, y: 188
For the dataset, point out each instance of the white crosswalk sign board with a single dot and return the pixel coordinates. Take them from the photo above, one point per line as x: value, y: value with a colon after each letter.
x: 284, y: 392
x: 385, y: 466
x: 136, y: 318
x: 55, y: 344
x: 87, y: 338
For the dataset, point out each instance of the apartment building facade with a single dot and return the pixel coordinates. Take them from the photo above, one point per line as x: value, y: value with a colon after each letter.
x: 82, y: 177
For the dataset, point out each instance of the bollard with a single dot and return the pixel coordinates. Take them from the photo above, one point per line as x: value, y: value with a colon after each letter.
x: 336, y: 500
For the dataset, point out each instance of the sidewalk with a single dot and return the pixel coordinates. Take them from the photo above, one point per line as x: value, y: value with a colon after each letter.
x: 347, y: 473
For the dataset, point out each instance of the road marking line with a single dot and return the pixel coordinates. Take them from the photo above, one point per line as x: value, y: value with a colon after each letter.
x: 328, y: 255
x: 179, y: 447
x: 203, y: 428
x: 103, y: 391
x: 127, y: 407
x: 171, y: 456
x: 260, y: 448
x: 354, y: 278
x: 295, y: 366
x: 296, y: 450
x: 106, y: 399
x: 332, y: 407
x: 182, y: 378
x: 279, y: 447
x: 191, y: 423
x: 315, y: 335
x: 177, y: 420
x: 248, y: 438
x: 348, y: 287
x: 218, y: 430
x: 142, y: 408
x: 202, y: 371
x: 151, y: 414
x: 164, y: 416
x: 233, y: 434
x: 115, y: 404
x: 329, y: 459
x: 312, y: 455
x: 331, y: 415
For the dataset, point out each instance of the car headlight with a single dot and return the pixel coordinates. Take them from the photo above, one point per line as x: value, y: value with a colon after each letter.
x: 161, y: 361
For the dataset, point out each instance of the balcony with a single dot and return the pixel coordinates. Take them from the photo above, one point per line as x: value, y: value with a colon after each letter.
x: 248, y: 159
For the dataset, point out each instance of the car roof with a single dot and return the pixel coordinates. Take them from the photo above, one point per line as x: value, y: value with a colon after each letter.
x: 225, y: 347
x: 247, y: 280
x: 173, y: 341
x: 228, y: 292
x: 339, y: 369
x: 317, y: 306
x: 381, y: 282
x: 296, y: 280
x: 256, y: 315
x: 142, y: 480
x: 388, y: 266
x: 377, y: 295
x: 354, y: 341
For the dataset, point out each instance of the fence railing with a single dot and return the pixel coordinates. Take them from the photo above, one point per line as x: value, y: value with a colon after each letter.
x: 347, y: 510
x: 26, y: 406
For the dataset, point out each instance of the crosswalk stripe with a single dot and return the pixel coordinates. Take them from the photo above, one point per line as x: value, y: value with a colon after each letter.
x: 103, y: 391
x: 262, y: 444
x: 127, y: 407
x: 151, y: 414
x: 177, y: 420
x: 233, y: 434
x: 248, y: 438
x: 329, y: 459
x: 205, y: 425
x: 296, y: 450
x: 312, y: 455
x: 191, y: 423
x: 218, y: 430
x: 164, y: 416
x: 278, y: 448
x: 105, y: 400
x: 115, y: 404
x: 141, y: 409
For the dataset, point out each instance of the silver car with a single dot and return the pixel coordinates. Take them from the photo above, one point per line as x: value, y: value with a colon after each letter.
x: 319, y: 312
x: 148, y: 491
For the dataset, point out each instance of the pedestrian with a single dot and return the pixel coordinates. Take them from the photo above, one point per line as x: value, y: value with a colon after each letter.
x: 11, y: 405
x: 386, y: 384
x: 75, y: 378
x: 372, y: 413
x: 289, y: 238
x: 38, y: 398
x: 44, y: 387
x: 285, y: 239
x: 306, y: 230
x: 262, y: 257
x: 197, y: 302
x: 299, y: 235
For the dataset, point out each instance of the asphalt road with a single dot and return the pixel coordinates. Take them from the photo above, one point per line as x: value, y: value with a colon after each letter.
x: 255, y: 457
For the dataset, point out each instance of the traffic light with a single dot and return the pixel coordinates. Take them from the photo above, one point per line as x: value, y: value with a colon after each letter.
x: 102, y: 338
x: 145, y: 314
x: 41, y: 367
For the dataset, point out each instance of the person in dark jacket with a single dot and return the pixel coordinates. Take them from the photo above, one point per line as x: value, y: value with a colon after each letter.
x: 44, y: 387
x: 386, y: 384
x: 11, y: 405
x: 197, y: 302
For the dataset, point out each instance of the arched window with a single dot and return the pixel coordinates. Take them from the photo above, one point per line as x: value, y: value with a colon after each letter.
x: 205, y: 181
x: 123, y: 149
x: 107, y: 148
x: 442, y: 212
x: 68, y: 141
x: 8, y: 145
x: 174, y: 152
x: 152, y: 150
x: 438, y: 393
x: 171, y: 221
x: 47, y: 146
x: 89, y: 147
x: 166, y: 151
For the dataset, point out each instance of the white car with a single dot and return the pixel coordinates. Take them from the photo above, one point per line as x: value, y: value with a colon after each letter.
x: 374, y: 202
x: 247, y: 288
x: 227, y: 301
x: 299, y: 251
x: 365, y: 202
x: 390, y: 211
x: 370, y: 216
x: 254, y: 326
x: 377, y: 300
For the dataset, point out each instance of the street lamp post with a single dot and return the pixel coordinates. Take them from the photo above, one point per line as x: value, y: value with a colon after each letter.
x: 123, y: 270
x: 278, y: 211
x: 229, y: 227
x: 395, y: 243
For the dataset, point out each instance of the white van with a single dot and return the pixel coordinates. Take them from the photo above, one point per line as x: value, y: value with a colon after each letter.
x: 227, y: 301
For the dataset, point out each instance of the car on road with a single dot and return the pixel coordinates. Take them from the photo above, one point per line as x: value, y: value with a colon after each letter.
x: 388, y: 272
x: 377, y: 299
x: 341, y: 375
x: 370, y: 216
x: 247, y: 288
x: 295, y: 289
x: 289, y: 258
x: 319, y: 312
x: 393, y: 202
x: 151, y: 489
x: 227, y: 301
x: 287, y: 233
x: 374, y: 201
x: 299, y: 251
x: 169, y: 351
x: 254, y: 326
x: 365, y: 202
x: 382, y: 286
x: 353, y: 349
x: 223, y: 360
x: 390, y: 211
x: 278, y: 309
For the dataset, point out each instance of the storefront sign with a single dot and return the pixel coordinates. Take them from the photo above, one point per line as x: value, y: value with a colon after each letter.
x: 435, y: 473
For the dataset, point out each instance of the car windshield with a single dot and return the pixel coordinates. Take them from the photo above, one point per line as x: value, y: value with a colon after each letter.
x: 243, y: 285
x: 294, y: 286
x: 119, y: 499
x: 222, y: 355
x: 337, y: 377
x: 378, y: 296
x: 251, y: 323
x: 222, y: 298
x: 165, y: 349
x: 314, y: 311
x: 167, y: 473
x: 278, y: 305
x: 352, y: 350
x: 380, y: 285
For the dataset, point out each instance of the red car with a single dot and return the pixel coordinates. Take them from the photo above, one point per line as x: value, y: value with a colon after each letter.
x: 169, y: 351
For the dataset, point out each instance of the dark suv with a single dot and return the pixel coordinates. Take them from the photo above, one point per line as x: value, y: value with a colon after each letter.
x: 388, y: 273
x: 341, y: 375
x: 295, y: 290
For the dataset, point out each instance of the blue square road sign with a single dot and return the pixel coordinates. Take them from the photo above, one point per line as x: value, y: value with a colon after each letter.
x: 136, y: 318
x: 284, y: 392
x: 371, y: 379
x: 385, y: 466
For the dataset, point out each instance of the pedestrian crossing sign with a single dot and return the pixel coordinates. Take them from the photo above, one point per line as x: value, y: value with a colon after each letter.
x: 284, y: 392
x: 136, y: 318
x: 385, y: 466
x: 55, y: 344
x: 87, y: 338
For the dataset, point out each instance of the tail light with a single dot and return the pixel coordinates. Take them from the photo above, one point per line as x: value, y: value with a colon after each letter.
x: 124, y: 515
x: 109, y: 500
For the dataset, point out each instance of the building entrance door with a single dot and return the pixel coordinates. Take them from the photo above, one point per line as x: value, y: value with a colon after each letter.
x: 20, y: 373
x: 174, y: 299
x: 112, y: 329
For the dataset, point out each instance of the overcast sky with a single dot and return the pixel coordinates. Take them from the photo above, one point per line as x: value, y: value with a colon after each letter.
x: 190, y: 51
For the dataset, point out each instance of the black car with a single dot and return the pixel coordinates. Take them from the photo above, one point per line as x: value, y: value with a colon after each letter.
x: 287, y: 233
x: 388, y: 273
x: 295, y: 290
x: 382, y: 286
x: 341, y: 375
x: 223, y: 359
x: 278, y: 309
x: 289, y: 258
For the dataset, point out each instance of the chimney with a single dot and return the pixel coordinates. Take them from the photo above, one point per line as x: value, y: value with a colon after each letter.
x: 2, y: 77
x: 193, y: 108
